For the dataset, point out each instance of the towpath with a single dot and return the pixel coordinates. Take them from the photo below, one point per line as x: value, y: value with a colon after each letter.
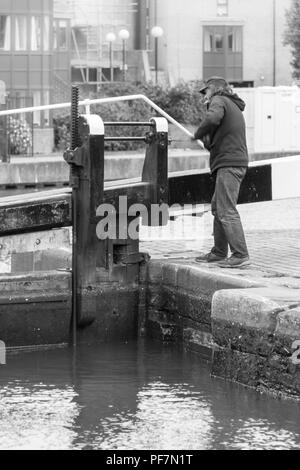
x: 273, y: 236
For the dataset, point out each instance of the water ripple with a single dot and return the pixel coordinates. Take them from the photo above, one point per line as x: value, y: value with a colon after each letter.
x: 41, y: 417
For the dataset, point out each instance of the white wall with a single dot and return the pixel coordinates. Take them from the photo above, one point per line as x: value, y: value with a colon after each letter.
x: 181, y: 48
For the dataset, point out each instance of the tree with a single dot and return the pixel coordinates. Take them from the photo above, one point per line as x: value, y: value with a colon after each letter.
x: 292, y: 36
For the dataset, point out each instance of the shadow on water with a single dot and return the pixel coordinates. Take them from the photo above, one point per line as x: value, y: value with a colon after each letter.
x: 134, y: 396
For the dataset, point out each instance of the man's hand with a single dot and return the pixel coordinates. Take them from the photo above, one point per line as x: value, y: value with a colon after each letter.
x: 194, y: 139
x: 206, y: 141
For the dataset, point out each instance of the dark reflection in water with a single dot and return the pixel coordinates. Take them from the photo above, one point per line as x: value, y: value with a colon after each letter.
x: 134, y: 396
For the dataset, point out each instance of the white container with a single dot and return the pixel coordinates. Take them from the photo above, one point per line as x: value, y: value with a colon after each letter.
x: 272, y: 118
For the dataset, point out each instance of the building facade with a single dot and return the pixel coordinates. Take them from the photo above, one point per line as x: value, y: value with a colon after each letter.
x: 237, y: 39
x: 47, y: 44
x: 93, y: 60
x: 26, y: 53
x: 61, y: 51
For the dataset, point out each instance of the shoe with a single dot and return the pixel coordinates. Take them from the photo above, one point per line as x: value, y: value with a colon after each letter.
x: 209, y: 258
x: 234, y: 262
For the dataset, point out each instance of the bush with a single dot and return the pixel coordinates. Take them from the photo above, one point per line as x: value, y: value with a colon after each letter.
x: 20, y: 136
x: 181, y: 102
x: 62, y: 132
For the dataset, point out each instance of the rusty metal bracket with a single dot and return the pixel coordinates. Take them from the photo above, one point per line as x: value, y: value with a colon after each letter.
x: 161, y: 139
x: 75, y: 157
x: 150, y: 137
x: 76, y: 160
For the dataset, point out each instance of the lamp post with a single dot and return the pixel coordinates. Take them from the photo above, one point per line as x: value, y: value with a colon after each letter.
x: 110, y: 38
x: 156, y: 32
x: 124, y: 35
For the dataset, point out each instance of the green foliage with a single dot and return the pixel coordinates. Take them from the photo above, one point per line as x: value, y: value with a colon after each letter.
x: 181, y: 102
x: 20, y: 136
x: 292, y: 36
x: 62, y: 132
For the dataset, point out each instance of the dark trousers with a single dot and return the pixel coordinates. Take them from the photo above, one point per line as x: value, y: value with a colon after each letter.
x: 228, y: 229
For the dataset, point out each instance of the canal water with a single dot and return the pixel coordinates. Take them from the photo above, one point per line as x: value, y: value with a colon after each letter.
x: 134, y: 396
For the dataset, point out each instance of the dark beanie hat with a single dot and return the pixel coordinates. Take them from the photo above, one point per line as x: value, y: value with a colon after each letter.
x: 217, y: 81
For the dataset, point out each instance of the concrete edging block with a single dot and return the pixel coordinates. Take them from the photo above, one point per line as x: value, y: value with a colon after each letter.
x: 193, y: 279
x: 199, y: 280
x: 246, y: 308
x: 244, y: 321
x: 288, y: 324
x: 287, y: 335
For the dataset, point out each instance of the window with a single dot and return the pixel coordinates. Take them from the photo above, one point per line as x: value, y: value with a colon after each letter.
x: 21, y: 33
x: 36, y: 33
x: 222, y: 7
x: 208, y: 40
x: 235, y: 40
x: 221, y: 38
x: 219, y: 42
x: 214, y: 39
x: 60, y: 35
x: 46, y: 33
x: 55, y: 35
x: 223, y: 51
x: 37, y: 102
x: 46, y: 99
x: 5, y: 33
x: 92, y: 75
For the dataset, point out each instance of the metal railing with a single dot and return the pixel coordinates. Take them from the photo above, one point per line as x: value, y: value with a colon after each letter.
x: 88, y: 103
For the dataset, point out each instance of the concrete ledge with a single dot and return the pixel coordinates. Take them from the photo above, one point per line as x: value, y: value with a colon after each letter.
x: 244, y: 321
x: 245, y: 308
x: 194, y: 278
x: 262, y: 309
x: 55, y: 170
x: 31, y: 170
x: 287, y: 332
x: 288, y: 324
x: 181, y: 295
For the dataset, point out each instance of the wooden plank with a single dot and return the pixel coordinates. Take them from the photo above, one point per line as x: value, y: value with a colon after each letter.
x: 35, y: 215
x: 52, y: 209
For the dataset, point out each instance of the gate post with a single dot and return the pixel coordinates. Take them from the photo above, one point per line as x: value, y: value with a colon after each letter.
x: 87, y: 181
x: 155, y: 169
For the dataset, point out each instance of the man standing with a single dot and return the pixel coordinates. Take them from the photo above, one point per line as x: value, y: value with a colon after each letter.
x: 223, y: 132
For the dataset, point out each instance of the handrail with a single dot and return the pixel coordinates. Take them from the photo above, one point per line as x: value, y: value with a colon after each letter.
x: 129, y: 124
x: 87, y: 103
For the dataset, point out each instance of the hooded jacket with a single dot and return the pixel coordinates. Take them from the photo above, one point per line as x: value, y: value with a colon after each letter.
x: 224, y: 124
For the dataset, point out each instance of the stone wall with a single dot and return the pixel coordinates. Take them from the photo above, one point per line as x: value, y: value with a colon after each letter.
x: 178, y: 302
x: 258, y: 335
